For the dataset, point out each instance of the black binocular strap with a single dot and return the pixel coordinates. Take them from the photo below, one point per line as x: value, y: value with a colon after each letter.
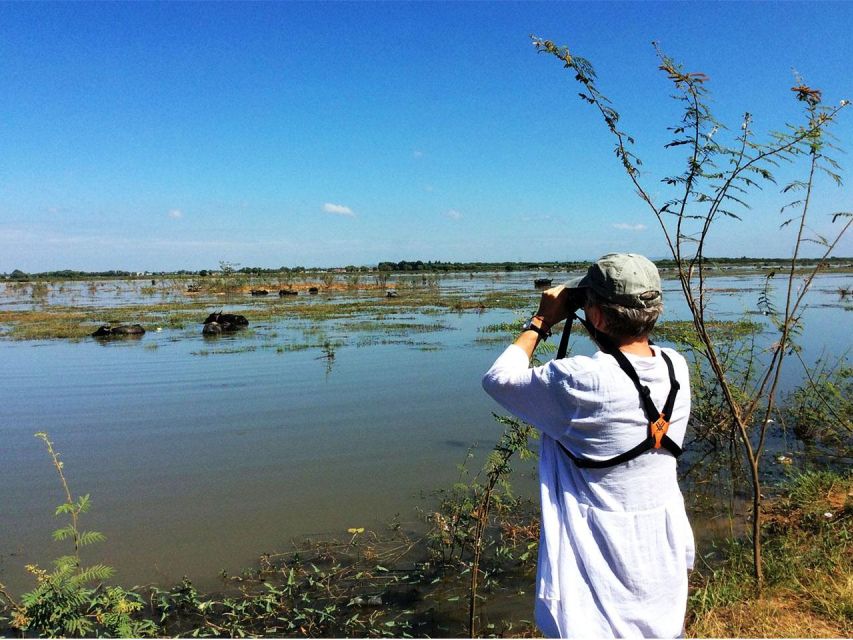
x: 649, y: 408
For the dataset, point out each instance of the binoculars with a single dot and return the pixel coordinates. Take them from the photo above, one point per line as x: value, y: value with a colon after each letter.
x: 575, y: 300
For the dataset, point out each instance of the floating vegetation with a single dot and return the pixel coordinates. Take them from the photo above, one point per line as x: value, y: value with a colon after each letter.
x: 390, y: 327
x: 371, y: 341
x: 683, y: 332
x: 226, y: 350
x: 502, y: 327
x: 490, y: 340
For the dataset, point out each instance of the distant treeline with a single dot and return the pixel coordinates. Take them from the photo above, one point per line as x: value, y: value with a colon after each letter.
x: 419, y: 265
x: 406, y: 266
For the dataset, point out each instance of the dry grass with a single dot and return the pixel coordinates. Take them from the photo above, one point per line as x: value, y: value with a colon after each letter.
x: 777, y: 616
x: 808, y: 565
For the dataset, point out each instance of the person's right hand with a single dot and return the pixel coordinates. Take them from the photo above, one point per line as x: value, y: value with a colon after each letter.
x: 554, y: 305
x: 558, y: 303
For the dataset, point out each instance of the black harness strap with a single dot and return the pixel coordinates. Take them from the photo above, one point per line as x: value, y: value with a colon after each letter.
x: 658, y: 421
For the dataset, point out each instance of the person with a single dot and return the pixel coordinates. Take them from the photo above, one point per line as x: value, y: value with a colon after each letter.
x: 615, y: 543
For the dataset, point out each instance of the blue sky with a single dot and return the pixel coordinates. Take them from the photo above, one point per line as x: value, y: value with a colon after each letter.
x: 150, y: 136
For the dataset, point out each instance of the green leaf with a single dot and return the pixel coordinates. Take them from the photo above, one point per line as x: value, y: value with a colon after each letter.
x: 65, y: 507
x: 83, y: 503
x: 63, y: 533
x: 90, y: 537
x: 94, y: 573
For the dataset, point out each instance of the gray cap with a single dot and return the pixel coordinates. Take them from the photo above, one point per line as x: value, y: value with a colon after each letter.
x: 627, y: 279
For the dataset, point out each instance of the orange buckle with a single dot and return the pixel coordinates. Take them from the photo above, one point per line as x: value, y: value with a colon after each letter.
x: 659, y: 428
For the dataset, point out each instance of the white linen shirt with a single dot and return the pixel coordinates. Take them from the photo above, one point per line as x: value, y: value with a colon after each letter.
x: 615, y: 544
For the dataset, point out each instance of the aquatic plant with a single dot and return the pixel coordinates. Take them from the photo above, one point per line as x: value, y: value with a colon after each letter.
x: 328, y: 279
x: 465, y: 526
x: 64, y: 602
x: 39, y: 290
x: 821, y: 410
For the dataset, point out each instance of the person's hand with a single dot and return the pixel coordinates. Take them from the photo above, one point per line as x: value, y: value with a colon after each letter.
x: 555, y: 304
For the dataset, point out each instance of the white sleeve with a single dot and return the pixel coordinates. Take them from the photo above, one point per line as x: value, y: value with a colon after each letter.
x: 533, y: 394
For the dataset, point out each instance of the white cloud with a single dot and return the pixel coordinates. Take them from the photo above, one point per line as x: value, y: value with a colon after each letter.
x: 453, y: 214
x: 176, y: 214
x: 623, y: 226
x: 417, y: 154
x: 338, y: 209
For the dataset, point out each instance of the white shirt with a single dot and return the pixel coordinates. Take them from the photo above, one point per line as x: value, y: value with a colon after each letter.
x: 615, y: 543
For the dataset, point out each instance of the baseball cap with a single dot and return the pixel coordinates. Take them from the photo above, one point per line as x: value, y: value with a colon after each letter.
x: 627, y: 279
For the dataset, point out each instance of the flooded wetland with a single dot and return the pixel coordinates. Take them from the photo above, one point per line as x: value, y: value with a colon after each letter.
x: 330, y: 412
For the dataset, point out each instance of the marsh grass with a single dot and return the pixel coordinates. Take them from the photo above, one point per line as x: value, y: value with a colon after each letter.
x: 40, y: 324
x: 39, y: 291
x: 134, y: 302
x: 808, y: 546
x: 683, y: 332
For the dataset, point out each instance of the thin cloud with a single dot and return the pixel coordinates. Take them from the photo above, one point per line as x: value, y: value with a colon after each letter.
x: 546, y: 217
x: 417, y: 154
x: 624, y: 226
x: 453, y: 214
x: 176, y: 214
x: 338, y: 210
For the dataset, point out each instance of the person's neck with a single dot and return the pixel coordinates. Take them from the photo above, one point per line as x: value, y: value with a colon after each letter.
x: 637, y: 347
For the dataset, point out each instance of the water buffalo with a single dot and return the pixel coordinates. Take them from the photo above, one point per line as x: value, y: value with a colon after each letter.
x: 260, y: 292
x: 230, y: 318
x: 313, y: 290
x: 217, y: 323
x: 214, y: 328
x: 542, y: 283
x: 287, y: 292
x: 108, y: 331
x: 391, y: 294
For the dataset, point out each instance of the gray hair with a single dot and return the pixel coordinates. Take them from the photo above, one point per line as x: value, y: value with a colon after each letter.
x: 625, y: 322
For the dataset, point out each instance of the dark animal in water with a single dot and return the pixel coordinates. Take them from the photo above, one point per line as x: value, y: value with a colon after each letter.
x: 313, y: 290
x: 217, y: 323
x: 193, y: 288
x: 230, y: 318
x: 214, y: 328
x: 541, y: 283
x: 107, y: 331
x: 288, y: 292
x: 391, y: 294
x: 260, y: 292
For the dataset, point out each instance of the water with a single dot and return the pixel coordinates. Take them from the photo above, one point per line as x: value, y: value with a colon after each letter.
x: 198, y: 463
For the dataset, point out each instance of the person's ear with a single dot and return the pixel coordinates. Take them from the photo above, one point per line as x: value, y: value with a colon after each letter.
x: 595, y: 317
